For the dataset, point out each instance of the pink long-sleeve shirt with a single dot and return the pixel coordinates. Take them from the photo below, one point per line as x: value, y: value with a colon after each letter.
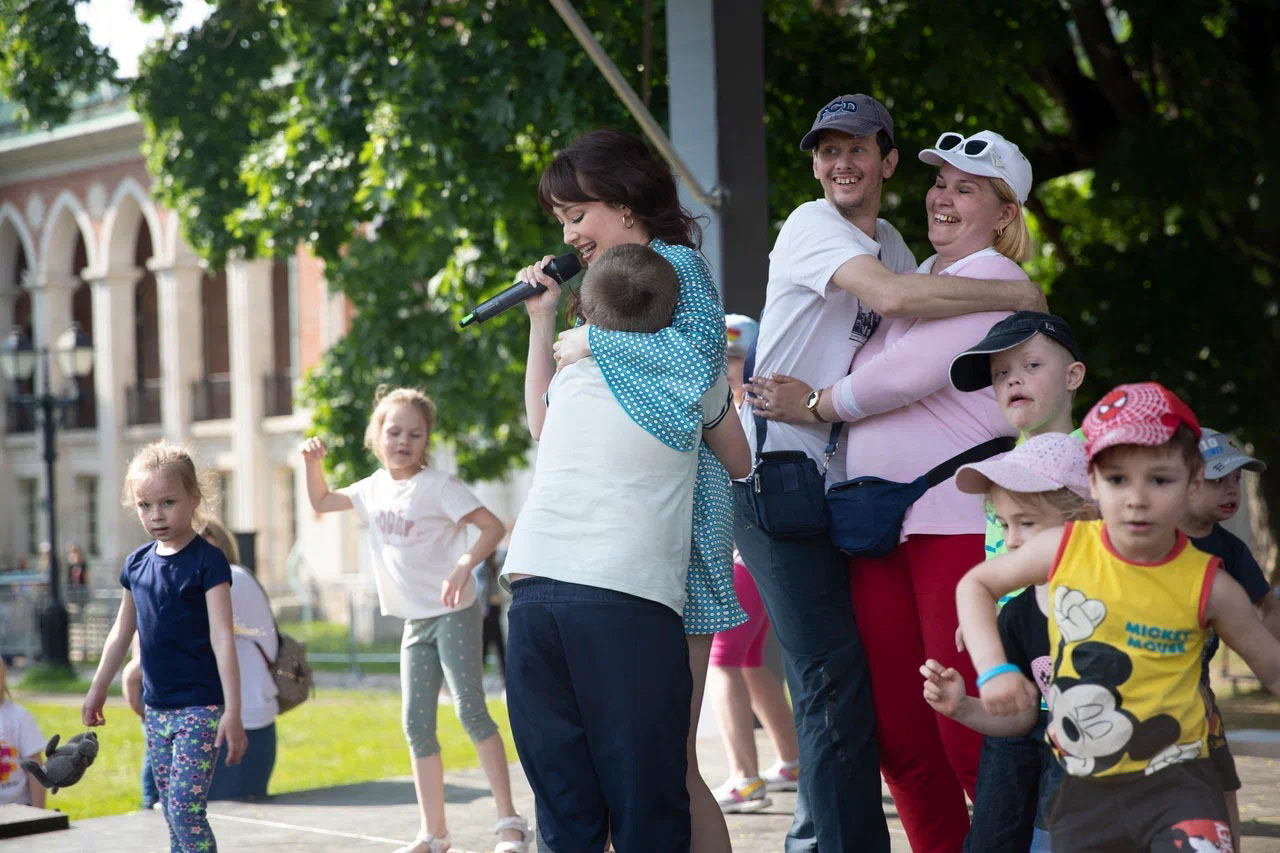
x: 905, y: 417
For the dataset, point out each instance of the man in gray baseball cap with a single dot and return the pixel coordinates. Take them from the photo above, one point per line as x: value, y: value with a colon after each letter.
x: 835, y: 269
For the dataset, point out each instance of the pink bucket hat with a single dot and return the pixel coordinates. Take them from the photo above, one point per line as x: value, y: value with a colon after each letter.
x: 1045, y: 463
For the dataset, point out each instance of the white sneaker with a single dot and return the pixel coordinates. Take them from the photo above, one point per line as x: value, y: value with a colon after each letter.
x: 782, y: 776
x: 742, y: 795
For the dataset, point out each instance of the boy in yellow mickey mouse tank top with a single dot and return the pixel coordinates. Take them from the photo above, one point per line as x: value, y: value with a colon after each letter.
x: 1132, y: 603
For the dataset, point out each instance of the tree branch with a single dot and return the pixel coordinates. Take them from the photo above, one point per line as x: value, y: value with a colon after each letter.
x: 1110, y: 68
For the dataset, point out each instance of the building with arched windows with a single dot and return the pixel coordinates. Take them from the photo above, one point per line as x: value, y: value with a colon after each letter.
x: 206, y: 357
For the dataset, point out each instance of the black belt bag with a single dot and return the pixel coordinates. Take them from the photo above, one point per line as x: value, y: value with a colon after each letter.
x: 864, y: 515
x: 787, y: 488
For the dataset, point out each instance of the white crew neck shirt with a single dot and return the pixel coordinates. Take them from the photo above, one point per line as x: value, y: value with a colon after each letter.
x: 19, y: 738
x: 610, y: 506
x: 810, y: 329
x: 415, y: 537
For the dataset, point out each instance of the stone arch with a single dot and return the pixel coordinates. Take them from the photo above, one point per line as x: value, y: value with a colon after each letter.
x: 15, y: 238
x: 129, y: 209
x: 58, y: 240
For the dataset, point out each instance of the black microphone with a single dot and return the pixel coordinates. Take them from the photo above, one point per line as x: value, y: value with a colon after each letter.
x: 561, y: 269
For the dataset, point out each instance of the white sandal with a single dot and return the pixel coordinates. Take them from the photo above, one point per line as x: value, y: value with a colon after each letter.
x: 423, y: 843
x: 520, y: 825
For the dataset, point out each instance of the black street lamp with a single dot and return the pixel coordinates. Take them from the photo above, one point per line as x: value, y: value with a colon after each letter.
x: 18, y: 359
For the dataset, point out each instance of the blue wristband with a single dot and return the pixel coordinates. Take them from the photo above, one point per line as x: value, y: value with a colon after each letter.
x: 996, y: 670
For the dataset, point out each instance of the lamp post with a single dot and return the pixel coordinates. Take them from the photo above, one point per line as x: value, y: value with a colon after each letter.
x: 19, y: 360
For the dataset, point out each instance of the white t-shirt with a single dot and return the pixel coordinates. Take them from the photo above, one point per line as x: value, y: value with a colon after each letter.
x: 810, y: 329
x: 254, y: 629
x: 610, y: 506
x: 414, y: 538
x: 19, y: 738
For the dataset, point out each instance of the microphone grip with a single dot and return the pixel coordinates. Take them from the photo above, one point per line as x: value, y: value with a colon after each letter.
x: 509, y: 298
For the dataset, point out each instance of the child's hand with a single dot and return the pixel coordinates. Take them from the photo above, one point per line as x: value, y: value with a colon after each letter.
x: 453, y: 586
x: 91, y: 710
x: 572, y: 345
x: 943, y: 688
x: 231, y: 731
x: 313, y: 449
x: 1009, y: 693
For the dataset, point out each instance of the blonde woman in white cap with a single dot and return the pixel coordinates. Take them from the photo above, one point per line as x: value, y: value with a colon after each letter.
x: 904, y: 418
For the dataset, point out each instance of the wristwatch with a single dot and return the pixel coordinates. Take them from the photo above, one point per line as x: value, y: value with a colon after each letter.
x: 812, y: 404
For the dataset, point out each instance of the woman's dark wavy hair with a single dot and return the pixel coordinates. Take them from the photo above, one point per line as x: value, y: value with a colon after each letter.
x: 617, y: 168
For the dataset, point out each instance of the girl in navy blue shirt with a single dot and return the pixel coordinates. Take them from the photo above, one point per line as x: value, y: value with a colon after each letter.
x: 178, y: 598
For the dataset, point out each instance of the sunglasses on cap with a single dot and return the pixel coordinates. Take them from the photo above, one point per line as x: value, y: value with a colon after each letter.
x: 950, y: 141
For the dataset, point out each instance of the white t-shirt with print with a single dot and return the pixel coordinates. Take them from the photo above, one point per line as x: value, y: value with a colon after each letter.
x: 414, y: 538
x: 19, y: 738
x: 810, y: 329
x: 610, y: 506
x: 255, y: 635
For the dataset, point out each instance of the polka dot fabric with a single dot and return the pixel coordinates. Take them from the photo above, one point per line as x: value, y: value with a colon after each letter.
x: 659, y: 380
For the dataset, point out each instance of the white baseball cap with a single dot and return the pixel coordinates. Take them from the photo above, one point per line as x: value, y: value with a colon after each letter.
x: 1222, y: 455
x: 986, y: 153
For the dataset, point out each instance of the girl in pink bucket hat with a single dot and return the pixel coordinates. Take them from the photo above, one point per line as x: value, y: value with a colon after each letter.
x: 1041, y: 484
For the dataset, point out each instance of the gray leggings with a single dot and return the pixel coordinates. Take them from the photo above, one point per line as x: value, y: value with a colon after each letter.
x: 438, y: 647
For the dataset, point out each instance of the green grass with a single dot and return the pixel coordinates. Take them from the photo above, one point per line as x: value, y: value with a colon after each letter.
x: 337, y: 738
x: 332, y: 638
x: 45, y: 679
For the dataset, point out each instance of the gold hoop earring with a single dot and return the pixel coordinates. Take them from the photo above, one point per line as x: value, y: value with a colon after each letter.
x: 627, y: 221
x: 999, y: 233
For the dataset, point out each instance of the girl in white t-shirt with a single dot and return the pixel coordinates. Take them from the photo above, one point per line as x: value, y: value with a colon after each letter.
x: 417, y: 521
x: 20, y: 740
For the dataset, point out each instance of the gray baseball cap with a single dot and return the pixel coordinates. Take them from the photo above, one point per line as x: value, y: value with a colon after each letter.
x: 856, y: 115
x: 1222, y: 455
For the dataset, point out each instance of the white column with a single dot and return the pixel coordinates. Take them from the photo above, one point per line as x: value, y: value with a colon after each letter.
x: 178, y: 312
x: 8, y: 499
x: 114, y: 369
x: 249, y: 319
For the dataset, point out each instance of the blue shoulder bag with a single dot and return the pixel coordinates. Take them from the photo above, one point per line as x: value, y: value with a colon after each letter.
x: 787, y: 487
x: 864, y: 515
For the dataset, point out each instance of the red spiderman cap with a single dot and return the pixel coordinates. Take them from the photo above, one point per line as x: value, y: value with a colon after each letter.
x: 1146, y: 413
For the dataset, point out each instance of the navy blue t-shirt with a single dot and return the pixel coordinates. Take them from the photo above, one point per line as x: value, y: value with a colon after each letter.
x: 178, y: 665
x: 1238, y: 560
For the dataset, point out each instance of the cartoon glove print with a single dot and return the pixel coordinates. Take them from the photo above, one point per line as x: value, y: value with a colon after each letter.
x: 1076, y: 615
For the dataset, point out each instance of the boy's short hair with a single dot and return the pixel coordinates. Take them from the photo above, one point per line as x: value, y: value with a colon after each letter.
x: 630, y: 288
x: 1184, y: 441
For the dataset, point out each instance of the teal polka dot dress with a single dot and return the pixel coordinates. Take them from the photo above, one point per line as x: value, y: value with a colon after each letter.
x: 666, y: 401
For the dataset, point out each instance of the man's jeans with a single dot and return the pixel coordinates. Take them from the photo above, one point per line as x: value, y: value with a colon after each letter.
x: 805, y: 586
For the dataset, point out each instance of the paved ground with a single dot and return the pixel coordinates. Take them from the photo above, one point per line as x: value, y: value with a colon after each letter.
x: 379, y: 816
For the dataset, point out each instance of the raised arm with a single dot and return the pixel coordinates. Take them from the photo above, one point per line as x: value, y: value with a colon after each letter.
x: 322, y: 499
x: 976, y: 597
x: 912, y: 295
x: 539, y: 367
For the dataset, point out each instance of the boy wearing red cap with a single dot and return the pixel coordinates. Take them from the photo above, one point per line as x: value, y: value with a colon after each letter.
x: 1132, y: 605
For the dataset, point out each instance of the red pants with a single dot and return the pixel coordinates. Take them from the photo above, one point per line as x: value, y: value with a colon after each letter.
x: 905, y: 605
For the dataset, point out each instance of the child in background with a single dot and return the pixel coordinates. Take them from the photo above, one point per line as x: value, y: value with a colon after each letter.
x: 1216, y: 500
x: 1042, y: 484
x: 737, y: 680
x: 1131, y: 605
x: 599, y: 684
x: 417, y: 521
x: 177, y: 595
x: 20, y: 740
x: 1034, y: 365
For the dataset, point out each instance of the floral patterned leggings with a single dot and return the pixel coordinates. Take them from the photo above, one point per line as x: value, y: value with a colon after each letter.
x: 180, y: 748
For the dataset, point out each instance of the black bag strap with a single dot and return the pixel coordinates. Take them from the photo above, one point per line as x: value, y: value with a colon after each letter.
x: 943, y: 472
x: 762, y: 428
